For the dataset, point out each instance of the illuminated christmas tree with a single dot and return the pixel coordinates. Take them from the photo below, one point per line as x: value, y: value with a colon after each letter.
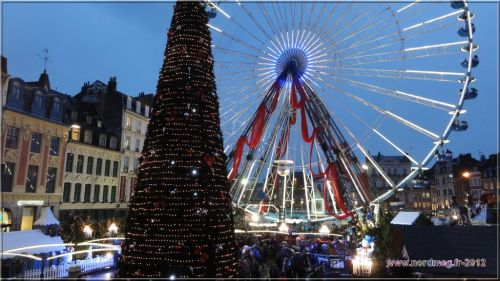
x: 180, y: 222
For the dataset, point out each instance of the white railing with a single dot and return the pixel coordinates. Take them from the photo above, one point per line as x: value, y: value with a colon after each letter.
x: 49, y: 272
x: 61, y: 271
x: 95, y: 263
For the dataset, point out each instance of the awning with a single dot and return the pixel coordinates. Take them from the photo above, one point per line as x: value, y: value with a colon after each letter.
x: 405, y: 218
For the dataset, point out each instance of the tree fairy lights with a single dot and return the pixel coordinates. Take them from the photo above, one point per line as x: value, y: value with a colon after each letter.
x: 180, y: 221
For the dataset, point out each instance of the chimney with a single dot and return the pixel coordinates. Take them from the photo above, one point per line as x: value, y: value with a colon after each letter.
x: 112, y: 85
x: 4, y: 65
x: 44, y: 80
x: 85, y: 87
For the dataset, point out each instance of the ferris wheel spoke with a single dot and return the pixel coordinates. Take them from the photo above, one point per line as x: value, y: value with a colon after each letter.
x: 398, y: 94
x: 236, y: 53
x: 376, y: 165
x: 443, y: 76
x: 333, y: 39
x: 268, y: 19
x: 394, y: 116
x: 256, y: 22
x: 407, y: 6
x: 409, y: 53
x: 424, y: 23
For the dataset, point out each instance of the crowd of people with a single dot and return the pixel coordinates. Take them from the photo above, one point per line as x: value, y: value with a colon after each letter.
x: 277, y: 256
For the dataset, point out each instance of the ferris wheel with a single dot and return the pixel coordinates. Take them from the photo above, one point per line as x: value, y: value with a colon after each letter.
x: 309, y: 91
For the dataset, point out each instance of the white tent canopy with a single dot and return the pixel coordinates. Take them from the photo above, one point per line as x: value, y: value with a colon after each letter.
x: 46, y: 217
x: 19, y: 239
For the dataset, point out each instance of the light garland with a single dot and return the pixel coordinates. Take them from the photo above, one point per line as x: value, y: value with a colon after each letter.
x: 180, y: 220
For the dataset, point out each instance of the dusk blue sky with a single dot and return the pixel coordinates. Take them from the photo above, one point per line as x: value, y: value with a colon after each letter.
x: 93, y: 41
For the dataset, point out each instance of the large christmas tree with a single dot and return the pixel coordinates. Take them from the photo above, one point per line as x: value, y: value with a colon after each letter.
x: 180, y: 221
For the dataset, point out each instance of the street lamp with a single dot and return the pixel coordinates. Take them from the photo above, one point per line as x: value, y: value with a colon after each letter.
x: 466, y: 174
x: 88, y: 231
x: 283, y: 227
x: 324, y: 230
x: 113, y: 229
x: 364, y: 166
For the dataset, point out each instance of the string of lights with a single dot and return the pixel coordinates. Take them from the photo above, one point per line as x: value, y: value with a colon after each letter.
x: 180, y: 221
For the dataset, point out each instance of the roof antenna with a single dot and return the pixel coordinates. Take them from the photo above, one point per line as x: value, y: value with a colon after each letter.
x: 45, y: 58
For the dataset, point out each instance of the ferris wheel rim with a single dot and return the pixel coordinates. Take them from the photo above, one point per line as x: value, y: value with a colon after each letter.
x: 441, y: 139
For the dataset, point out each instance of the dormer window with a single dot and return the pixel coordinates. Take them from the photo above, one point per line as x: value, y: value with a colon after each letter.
x: 112, y: 142
x: 16, y: 91
x: 88, y: 136
x: 38, y: 99
x: 99, y: 123
x: 129, y: 102
x: 146, y: 111
x: 138, y: 107
x: 102, y: 140
x: 57, y: 105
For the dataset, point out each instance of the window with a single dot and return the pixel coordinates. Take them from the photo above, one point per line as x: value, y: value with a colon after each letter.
x: 129, y: 102
x: 404, y: 172
x: 97, y: 193
x: 445, y: 192
x: 112, y: 142
x: 98, y: 167
x: 86, y: 193
x: 146, y: 111
x: 8, y: 169
x: 74, y: 115
x: 389, y: 173
x: 99, y: 123
x: 38, y: 100
x: 113, y: 193
x: 90, y: 165
x: 105, y: 191
x: 102, y: 140
x: 88, y: 136
x: 125, y: 163
x: 66, y: 191
x: 138, y: 126
x: 115, y: 169
x: 128, y: 123
x: 107, y: 168
x: 12, y: 137
x: 31, y: 179
x: 16, y: 91
x: 79, y: 164
x: 69, y: 162
x: 36, y: 142
x: 54, y: 146
x: 138, y: 107
x: 137, y: 145
x: 56, y: 107
x: 89, y: 120
x: 75, y: 134
x: 136, y: 164
x: 78, y: 191
x: 127, y: 143
x: 50, y: 185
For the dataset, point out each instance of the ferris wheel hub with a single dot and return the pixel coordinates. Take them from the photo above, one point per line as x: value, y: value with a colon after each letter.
x: 292, y: 61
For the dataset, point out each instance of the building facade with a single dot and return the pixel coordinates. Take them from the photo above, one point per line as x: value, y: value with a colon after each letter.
x: 135, y: 122
x: 92, y: 164
x: 34, y: 128
x: 396, y: 167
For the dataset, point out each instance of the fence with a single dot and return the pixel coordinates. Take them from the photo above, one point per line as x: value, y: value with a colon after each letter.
x: 61, y: 271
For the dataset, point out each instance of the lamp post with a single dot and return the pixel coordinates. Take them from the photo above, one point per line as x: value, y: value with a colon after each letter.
x: 87, y: 230
x: 113, y: 231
